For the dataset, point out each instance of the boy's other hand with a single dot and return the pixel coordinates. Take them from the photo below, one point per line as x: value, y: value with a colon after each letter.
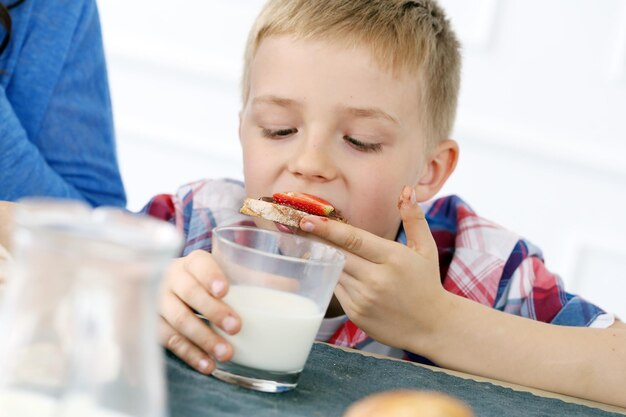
x: 386, y: 282
x: 196, y: 283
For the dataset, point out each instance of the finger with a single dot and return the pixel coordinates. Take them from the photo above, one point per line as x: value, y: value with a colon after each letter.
x: 352, y: 282
x: 184, y: 321
x: 350, y: 285
x: 347, y: 293
x: 418, y: 234
x: 201, y: 265
x: 192, y: 294
x: 178, y: 344
x: 344, y: 298
x: 345, y: 236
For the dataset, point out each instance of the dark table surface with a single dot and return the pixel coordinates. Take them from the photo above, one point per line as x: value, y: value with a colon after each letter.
x: 333, y: 378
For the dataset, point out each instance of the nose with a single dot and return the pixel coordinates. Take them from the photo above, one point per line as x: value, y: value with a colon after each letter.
x: 313, y: 161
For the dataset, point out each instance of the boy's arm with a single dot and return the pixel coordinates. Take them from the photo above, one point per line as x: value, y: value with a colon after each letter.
x: 577, y: 361
x: 380, y: 292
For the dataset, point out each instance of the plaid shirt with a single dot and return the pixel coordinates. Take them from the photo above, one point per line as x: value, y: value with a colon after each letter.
x: 478, y: 259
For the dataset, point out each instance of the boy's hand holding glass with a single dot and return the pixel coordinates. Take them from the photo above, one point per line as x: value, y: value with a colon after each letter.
x: 196, y: 282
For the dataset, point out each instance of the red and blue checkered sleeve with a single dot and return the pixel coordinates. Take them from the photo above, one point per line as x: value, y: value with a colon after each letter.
x: 489, y: 264
x: 162, y: 207
x: 528, y: 289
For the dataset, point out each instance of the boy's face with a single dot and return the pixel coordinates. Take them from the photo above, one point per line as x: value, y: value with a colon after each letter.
x: 327, y: 120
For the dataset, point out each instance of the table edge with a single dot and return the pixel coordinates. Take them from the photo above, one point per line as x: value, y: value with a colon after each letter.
x: 515, y: 387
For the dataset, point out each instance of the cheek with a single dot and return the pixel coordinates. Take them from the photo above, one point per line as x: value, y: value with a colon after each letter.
x: 255, y: 163
x: 376, y: 210
x: 253, y: 170
x: 256, y: 177
x: 261, y: 170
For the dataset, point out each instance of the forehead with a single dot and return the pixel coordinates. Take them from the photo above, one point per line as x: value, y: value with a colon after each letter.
x: 322, y: 71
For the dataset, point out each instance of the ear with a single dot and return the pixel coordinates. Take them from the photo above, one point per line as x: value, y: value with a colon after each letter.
x: 438, y: 166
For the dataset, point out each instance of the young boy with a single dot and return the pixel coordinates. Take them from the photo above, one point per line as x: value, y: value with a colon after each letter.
x: 354, y: 101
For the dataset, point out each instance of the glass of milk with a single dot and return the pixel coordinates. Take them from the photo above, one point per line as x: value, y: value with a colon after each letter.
x: 280, y: 285
x: 78, y: 321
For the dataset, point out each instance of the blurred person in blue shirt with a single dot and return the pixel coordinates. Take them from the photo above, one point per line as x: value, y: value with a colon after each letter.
x: 56, y: 124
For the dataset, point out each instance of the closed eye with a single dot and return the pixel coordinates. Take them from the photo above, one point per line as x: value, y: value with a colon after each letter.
x: 363, y: 146
x: 278, y: 133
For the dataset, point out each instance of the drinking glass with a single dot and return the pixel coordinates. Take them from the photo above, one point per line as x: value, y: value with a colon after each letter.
x: 280, y: 285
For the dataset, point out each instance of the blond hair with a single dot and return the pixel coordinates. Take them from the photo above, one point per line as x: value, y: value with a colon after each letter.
x: 410, y: 36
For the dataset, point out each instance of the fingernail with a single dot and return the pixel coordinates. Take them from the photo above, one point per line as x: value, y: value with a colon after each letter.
x: 229, y: 324
x: 217, y: 287
x: 203, y: 365
x: 307, y: 226
x: 408, y: 193
x: 220, y: 350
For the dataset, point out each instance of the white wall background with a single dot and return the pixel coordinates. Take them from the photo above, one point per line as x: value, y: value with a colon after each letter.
x: 541, y: 123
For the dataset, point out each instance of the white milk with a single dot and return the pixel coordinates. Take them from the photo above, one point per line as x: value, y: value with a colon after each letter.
x: 14, y: 403
x: 277, y: 328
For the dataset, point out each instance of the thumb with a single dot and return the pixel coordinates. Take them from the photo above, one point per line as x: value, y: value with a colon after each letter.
x: 418, y: 235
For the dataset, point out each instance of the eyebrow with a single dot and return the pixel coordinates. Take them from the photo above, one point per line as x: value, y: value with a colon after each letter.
x: 361, y: 112
x: 275, y: 100
x: 371, y: 113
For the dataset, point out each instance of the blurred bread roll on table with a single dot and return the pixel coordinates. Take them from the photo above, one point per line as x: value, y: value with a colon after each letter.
x: 408, y: 403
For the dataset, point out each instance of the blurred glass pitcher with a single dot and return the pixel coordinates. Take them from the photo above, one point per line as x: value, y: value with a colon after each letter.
x: 78, y: 317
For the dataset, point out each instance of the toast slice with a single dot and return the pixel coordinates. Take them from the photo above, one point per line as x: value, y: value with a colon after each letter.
x: 266, y: 208
x: 286, y: 215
